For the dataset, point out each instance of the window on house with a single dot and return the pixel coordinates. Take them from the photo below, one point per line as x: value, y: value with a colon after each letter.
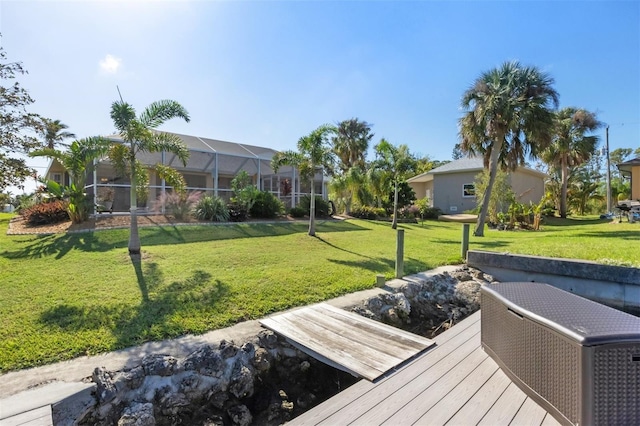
x: 468, y: 190
x: 56, y: 177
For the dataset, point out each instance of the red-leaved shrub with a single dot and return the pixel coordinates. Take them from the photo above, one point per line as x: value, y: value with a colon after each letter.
x: 46, y: 213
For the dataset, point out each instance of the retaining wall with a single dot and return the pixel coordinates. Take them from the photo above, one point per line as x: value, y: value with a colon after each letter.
x: 616, y: 286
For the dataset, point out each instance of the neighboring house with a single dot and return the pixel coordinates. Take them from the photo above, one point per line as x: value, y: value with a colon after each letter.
x: 631, y: 169
x: 211, y: 167
x: 451, y: 187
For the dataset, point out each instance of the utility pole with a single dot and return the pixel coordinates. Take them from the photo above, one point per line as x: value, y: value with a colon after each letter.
x: 608, y: 173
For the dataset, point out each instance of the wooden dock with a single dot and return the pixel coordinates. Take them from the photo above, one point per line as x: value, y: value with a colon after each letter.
x: 454, y: 383
x: 36, y: 417
x: 350, y: 342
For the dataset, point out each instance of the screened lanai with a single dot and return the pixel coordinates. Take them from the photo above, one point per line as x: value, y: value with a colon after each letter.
x: 211, y: 167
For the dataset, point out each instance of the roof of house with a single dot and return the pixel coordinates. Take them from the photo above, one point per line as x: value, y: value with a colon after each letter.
x: 627, y: 165
x: 195, y: 143
x: 462, y: 165
x: 228, y: 157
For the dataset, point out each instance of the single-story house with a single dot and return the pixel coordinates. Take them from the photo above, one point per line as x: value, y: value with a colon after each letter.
x: 631, y: 169
x: 211, y: 167
x: 451, y: 187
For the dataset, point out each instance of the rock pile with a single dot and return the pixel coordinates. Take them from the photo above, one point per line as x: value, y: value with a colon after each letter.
x: 429, y: 302
x: 214, y: 386
x: 264, y: 381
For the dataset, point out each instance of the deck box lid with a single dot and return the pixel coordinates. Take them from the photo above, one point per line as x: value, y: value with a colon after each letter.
x: 588, y: 322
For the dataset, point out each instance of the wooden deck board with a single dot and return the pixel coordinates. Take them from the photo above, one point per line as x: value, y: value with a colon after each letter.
x: 363, y: 395
x: 455, y: 383
x: 37, y: 417
x: 475, y: 408
x: 348, y: 341
x: 505, y: 408
x: 530, y: 414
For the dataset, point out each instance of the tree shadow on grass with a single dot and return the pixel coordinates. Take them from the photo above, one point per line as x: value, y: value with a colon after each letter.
x: 152, y: 318
x: 192, y: 234
x: 340, y: 248
x: 618, y: 235
x: 378, y: 265
x: 59, y: 245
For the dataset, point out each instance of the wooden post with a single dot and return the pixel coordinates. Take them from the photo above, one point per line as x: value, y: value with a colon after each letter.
x: 400, y: 254
x: 465, y: 241
x: 380, y: 281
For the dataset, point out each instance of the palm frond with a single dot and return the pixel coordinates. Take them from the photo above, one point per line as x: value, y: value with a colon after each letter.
x: 120, y: 156
x: 122, y: 115
x: 173, y: 177
x: 160, y: 111
x: 169, y: 142
x: 286, y: 158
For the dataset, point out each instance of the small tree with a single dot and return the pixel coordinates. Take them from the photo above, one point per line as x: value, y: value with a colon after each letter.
x: 77, y: 161
x: 395, y: 163
x: 139, y: 136
x: 500, y: 198
x: 14, y: 101
x: 314, y: 154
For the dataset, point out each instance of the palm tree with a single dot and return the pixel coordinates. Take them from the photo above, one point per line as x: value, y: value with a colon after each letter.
x: 314, y: 153
x: 77, y: 160
x: 349, y: 186
x: 53, y: 134
x: 351, y: 142
x: 395, y: 163
x: 570, y: 146
x: 508, y: 113
x: 139, y: 136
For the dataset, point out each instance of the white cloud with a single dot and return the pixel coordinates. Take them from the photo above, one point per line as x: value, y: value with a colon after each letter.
x: 110, y: 64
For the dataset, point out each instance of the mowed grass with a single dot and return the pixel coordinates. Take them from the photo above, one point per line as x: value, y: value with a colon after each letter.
x: 67, y: 295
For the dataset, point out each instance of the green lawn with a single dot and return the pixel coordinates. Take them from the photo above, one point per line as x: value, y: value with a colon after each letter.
x: 67, y: 295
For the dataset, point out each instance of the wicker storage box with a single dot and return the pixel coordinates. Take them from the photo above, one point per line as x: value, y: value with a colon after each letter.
x: 578, y: 359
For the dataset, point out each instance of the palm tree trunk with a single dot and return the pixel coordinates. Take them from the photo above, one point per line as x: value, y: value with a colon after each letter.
x: 394, y: 224
x: 312, y: 211
x: 563, y: 191
x: 134, y: 238
x: 493, y: 171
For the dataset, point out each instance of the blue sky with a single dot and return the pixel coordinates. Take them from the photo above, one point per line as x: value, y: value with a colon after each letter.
x: 266, y: 73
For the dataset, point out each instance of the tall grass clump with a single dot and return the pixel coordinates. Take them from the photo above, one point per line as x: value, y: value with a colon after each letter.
x: 212, y: 208
x: 180, y: 204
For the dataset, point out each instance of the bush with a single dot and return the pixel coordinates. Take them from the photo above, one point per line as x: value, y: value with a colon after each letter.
x: 431, y: 213
x: 212, y: 208
x: 409, y: 212
x: 323, y: 208
x: 46, y: 213
x: 237, y: 212
x: 266, y: 205
x: 297, y: 212
x: 368, y: 212
x: 181, y: 204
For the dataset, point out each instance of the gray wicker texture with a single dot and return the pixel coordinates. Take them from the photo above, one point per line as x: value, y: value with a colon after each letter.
x: 544, y: 361
x: 577, y: 371
x: 616, y: 385
x: 591, y: 323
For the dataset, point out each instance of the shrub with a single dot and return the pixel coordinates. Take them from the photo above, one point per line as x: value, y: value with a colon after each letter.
x: 431, y: 213
x: 46, y: 213
x: 297, y: 212
x: 237, y: 212
x: 368, y: 212
x: 266, y: 205
x: 212, y: 208
x: 244, y: 192
x: 323, y: 208
x: 181, y: 204
x: 409, y: 212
